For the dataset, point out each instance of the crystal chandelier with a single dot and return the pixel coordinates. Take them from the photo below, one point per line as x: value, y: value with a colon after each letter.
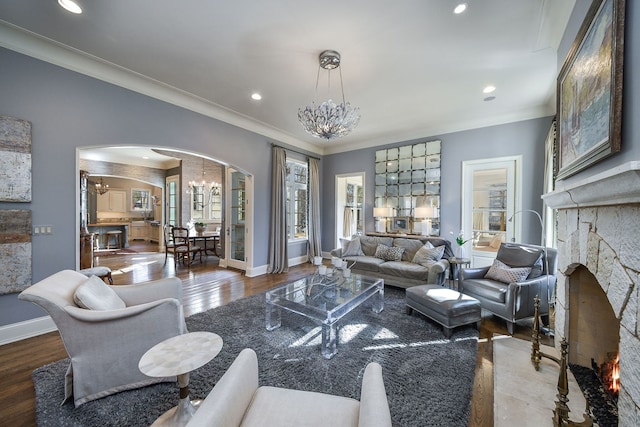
x: 203, y: 188
x: 329, y: 120
x: 101, y: 187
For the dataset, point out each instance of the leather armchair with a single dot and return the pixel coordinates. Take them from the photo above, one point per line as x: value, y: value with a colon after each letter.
x: 237, y: 400
x: 514, y: 301
x: 105, y: 346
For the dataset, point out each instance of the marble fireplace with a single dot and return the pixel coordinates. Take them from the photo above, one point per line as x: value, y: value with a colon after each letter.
x: 597, y: 293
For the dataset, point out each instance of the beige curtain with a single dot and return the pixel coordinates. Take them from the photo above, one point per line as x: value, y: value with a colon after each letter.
x: 278, y: 257
x: 348, y: 224
x: 315, y: 247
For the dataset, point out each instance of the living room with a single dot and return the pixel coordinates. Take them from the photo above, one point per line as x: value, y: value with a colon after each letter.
x: 69, y: 110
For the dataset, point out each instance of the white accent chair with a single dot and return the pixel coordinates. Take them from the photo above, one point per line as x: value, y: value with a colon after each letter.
x: 237, y: 400
x: 105, y: 345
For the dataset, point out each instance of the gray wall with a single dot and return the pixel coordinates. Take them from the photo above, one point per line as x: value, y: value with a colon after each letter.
x: 69, y: 110
x: 524, y: 138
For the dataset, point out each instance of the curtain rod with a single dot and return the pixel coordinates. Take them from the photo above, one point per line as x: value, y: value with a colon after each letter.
x: 288, y: 149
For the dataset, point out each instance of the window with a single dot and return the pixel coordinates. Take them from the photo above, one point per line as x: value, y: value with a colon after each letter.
x: 140, y: 200
x: 296, y: 199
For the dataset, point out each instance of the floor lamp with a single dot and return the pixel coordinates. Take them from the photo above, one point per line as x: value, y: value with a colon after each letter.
x: 545, y: 330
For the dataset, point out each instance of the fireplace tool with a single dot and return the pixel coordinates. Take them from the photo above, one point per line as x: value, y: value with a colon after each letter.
x: 561, y: 413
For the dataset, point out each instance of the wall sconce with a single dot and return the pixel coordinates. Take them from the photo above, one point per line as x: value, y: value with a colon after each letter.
x: 381, y: 224
x: 426, y: 213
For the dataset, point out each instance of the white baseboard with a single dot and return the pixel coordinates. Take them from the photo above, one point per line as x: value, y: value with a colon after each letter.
x: 27, y: 329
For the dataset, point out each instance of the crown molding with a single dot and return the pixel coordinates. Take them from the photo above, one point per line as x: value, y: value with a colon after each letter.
x: 36, y: 46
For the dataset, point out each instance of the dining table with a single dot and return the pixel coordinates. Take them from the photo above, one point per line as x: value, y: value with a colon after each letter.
x: 207, y: 240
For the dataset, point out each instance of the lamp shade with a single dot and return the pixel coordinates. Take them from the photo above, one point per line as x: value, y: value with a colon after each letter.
x: 423, y: 212
x: 382, y: 212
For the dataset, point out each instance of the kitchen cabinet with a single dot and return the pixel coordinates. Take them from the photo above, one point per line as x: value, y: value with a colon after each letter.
x: 139, y: 230
x: 112, y: 201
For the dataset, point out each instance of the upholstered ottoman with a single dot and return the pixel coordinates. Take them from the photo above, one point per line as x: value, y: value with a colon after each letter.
x: 447, y: 307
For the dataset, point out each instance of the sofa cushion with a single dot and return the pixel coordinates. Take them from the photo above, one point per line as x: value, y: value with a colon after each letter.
x: 370, y: 243
x: 365, y: 263
x: 94, y: 294
x: 405, y: 269
x: 272, y: 406
x: 351, y: 247
x: 503, y: 273
x: 411, y: 246
x: 389, y: 253
x: 427, y: 254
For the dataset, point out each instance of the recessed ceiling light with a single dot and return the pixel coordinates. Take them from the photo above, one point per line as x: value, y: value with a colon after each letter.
x: 488, y: 89
x: 70, y: 5
x: 145, y: 157
x: 460, y: 8
x: 256, y: 96
x: 490, y: 98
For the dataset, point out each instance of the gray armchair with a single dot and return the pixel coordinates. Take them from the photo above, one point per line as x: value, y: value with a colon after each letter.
x: 514, y: 300
x: 105, y: 346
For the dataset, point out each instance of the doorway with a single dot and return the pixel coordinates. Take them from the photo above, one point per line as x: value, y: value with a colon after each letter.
x: 491, y: 190
x: 349, y: 206
x: 238, y: 217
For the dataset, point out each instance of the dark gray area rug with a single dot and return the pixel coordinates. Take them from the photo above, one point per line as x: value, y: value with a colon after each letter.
x: 428, y: 378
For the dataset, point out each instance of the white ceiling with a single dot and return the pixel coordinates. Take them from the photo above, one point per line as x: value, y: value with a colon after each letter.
x: 413, y: 67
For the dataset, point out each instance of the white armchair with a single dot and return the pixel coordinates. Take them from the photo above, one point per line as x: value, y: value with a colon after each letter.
x: 237, y: 400
x: 105, y: 345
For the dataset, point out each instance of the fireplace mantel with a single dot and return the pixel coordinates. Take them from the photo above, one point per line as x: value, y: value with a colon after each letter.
x: 619, y: 185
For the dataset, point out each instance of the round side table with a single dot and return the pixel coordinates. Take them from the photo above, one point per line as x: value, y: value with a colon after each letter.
x: 455, y: 269
x: 177, y: 356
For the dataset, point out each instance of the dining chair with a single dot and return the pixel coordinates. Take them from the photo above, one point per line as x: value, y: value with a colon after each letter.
x: 183, y: 247
x: 168, y: 242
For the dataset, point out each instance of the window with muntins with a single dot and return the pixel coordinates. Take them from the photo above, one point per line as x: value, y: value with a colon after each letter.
x: 297, y: 185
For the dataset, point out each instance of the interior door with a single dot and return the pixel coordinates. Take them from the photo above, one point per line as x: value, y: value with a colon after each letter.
x: 172, y: 200
x: 237, y: 219
x: 491, y: 191
x: 349, y: 195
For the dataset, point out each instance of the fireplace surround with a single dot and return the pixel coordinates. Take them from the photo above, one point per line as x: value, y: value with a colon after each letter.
x: 598, y: 226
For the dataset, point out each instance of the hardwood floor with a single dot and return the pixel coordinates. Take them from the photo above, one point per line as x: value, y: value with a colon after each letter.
x: 205, y: 286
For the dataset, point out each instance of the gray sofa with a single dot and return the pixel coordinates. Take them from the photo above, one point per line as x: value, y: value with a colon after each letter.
x: 403, y: 273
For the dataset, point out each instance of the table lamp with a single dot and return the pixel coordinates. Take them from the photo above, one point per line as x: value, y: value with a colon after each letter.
x: 426, y: 213
x: 381, y: 224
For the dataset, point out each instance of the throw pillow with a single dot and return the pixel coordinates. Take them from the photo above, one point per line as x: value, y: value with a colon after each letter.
x: 389, y: 253
x: 536, y: 269
x: 94, y: 294
x: 503, y: 273
x: 427, y: 254
x: 351, y: 247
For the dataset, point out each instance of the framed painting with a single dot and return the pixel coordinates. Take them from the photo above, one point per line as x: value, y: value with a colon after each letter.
x: 589, y: 90
x: 401, y: 224
x: 15, y: 160
x: 15, y: 250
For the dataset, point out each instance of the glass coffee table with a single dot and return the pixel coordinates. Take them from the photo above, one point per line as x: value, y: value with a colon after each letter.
x: 325, y: 300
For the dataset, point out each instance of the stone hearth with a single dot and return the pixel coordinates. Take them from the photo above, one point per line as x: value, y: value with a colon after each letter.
x: 599, y: 230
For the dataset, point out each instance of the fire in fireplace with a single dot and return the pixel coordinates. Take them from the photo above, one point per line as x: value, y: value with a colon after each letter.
x: 609, y: 374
